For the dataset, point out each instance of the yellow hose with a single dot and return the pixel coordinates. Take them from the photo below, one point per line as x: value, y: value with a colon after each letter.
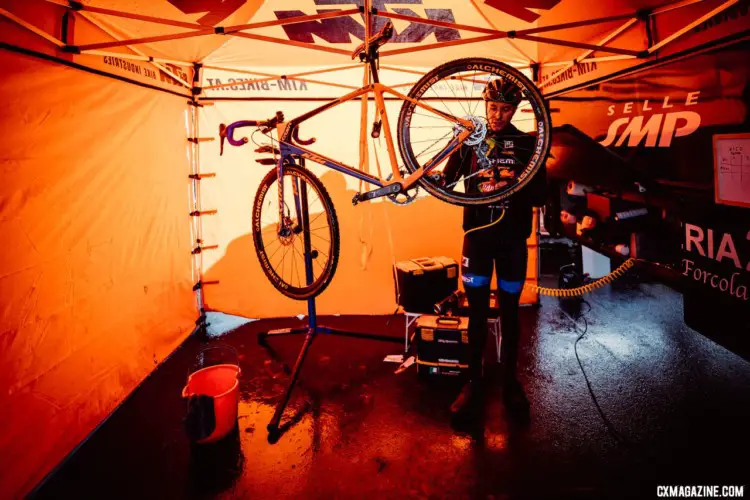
x: 578, y: 291
x: 570, y: 292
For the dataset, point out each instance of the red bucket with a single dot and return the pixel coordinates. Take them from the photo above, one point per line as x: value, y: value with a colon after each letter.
x: 212, y: 395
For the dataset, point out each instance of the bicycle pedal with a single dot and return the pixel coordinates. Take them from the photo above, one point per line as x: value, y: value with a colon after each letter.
x: 266, y: 161
x: 355, y: 199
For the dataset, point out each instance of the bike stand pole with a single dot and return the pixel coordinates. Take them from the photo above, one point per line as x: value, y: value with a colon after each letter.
x: 312, y: 328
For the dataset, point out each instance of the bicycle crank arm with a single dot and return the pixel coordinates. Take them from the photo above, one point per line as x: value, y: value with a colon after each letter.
x: 390, y: 189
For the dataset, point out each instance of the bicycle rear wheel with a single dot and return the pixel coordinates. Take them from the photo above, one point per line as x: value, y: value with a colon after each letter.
x: 280, y: 244
x: 456, y: 88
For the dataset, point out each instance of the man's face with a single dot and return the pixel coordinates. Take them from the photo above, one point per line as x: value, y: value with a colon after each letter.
x: 499, y: 114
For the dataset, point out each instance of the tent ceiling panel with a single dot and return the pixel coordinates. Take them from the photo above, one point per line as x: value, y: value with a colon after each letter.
x: 346, y: 33
x: 454, y: 28
x: 204, y: 14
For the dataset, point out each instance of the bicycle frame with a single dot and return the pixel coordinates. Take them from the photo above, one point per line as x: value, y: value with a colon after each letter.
x: 287, y: 132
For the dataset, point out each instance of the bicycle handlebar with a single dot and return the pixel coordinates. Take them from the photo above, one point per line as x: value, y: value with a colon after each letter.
x: 227, y: 131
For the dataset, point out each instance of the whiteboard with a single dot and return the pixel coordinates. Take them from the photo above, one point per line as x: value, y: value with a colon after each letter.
x: 732, y: 169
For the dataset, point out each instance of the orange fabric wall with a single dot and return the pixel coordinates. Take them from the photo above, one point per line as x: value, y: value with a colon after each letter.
x: 95, y: 266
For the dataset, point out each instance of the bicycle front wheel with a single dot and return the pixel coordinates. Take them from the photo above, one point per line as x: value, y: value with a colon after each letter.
x: 455, y: 89
x: 281, y: 241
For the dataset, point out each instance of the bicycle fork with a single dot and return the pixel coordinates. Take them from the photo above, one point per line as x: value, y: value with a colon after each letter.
x: 286, y: 228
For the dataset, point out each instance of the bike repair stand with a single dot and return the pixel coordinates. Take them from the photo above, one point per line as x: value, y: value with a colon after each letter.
x: 313, y: 328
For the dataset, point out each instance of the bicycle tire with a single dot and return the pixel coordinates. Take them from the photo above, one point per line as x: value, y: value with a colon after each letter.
x: 442, y: 73
x: 322, y: 281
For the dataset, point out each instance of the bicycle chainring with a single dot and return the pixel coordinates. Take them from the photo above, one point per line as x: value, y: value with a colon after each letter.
x: 403, y: 198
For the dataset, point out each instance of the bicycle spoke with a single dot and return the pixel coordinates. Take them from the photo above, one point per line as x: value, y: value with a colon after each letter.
x: 320, y: 237
x: 303, y: 260
x: 283, y: 260
x: 473, y: 111
x: 426, y: 140
x: 456, y: 97
x: 436, y: 117
x: 433, y: 144
x: 319, y: 265
x: 275, y: 251
x: 441, y: 100
x: 271, y: 243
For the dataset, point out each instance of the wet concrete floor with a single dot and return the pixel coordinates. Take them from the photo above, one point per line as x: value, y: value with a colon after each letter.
x: 656, y: 403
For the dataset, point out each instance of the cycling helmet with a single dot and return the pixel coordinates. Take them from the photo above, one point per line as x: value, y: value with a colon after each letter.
x: 500, y: 90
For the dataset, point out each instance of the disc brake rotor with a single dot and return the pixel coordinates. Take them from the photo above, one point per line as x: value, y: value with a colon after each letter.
x: 286, y: 231
x: 479, y: 133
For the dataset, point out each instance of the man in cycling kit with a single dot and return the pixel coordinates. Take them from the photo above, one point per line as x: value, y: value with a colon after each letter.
x: 496, y: 234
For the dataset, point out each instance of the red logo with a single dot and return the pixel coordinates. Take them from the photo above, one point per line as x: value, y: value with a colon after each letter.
x: 216, y: 10
x: 520, y: 8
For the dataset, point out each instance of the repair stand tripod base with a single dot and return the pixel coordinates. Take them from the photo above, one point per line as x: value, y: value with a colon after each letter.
x: 310, y: 333
x: 274, y: 431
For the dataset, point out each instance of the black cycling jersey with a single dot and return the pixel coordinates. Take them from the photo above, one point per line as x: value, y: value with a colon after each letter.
x: 508, y: 153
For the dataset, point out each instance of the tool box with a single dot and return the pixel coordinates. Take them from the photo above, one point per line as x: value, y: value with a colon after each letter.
x: 442, y: 345
x: 422, y: 282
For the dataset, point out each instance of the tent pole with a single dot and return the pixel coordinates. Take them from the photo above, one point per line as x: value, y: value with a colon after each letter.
x: 150, y: 39
x: 565, y: 43
x: 403, y: 70
x: 294, y: 75
x: 555, y: 27
x: 692, y: 25
x: 607, y: 59
x: 367, y: 9
x: 77, y: 6
x: 31, y: 28
x: 442, y: 44
x: 290, y: 20
x: 195, y: 176
x: 673, y: 6
x: 291, y: 42
x: 99, y: 25
x: 444, y: 24
x: 137, y: 57
x: 272, y: 78
x: 487, y: 20
x: 587, y: 53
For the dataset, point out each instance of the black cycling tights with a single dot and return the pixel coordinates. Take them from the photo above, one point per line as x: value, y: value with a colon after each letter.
x: 480, y: 253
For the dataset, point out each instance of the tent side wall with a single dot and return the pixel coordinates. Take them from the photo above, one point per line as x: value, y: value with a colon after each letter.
x: 95, y: 272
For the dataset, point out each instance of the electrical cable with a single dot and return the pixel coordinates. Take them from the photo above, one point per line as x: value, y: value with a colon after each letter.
x: 486, y: 225
x: 615, y: 434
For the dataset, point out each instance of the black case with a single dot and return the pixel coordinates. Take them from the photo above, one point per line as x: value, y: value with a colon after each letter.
x: 442, y: 346
x: 422, y: 282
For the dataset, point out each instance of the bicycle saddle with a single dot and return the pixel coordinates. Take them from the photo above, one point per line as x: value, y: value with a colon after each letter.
x: 378, y: 40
